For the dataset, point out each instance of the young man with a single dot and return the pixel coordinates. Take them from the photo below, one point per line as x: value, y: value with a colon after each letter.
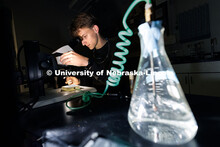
x: 86, y: 27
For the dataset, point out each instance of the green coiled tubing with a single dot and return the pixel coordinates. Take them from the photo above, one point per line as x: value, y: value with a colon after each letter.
x: 114, y: 79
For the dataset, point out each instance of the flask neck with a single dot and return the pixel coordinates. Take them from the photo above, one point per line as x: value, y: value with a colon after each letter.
x: 150, y: 34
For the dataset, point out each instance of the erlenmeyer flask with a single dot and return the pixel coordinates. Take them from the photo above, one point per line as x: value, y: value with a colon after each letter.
x: 158, y: 110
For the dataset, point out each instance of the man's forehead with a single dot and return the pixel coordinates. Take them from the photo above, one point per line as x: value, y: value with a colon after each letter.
x: 82, y: 31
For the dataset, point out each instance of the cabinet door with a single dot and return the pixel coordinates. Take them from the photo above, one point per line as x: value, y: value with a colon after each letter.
x: 184, y: 82
x: 207, y: 84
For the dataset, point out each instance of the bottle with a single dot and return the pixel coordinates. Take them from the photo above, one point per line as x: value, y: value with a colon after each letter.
x: 159, y: 110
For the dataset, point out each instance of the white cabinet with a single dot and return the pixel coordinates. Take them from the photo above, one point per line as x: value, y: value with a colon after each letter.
x: 199, y: 79
x: 207, y: 84
x: 184, y: 82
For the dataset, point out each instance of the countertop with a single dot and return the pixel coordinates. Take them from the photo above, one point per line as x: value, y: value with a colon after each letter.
x: 56, y: 125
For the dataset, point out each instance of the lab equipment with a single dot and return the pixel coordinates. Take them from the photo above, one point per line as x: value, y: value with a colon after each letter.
x: 37, y: 63
x: 35, y: 74
x: 158, y: 110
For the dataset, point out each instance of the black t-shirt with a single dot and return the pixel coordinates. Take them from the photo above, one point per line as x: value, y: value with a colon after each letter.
x: 100, y: 62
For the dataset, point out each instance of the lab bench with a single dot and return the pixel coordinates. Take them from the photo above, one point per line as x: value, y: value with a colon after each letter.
x: 104, y: 123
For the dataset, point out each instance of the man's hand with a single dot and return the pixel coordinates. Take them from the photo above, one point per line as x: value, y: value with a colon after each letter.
x: 73, y: 58
x: 72, y: 81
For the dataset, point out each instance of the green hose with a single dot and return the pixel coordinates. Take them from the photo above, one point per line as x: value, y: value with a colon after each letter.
x: 114, y: 79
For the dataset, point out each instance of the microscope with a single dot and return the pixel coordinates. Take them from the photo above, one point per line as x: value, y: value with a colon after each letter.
x: 37, y: 63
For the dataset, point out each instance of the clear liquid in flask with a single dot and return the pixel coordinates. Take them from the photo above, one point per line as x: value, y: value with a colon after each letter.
x: 169, y: 122
x: 158, y: 110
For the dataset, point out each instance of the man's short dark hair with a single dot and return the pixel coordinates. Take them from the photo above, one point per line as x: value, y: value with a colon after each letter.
x: 82, y: 20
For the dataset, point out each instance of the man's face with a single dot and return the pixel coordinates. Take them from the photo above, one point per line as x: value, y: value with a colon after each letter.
x: 88, y: 36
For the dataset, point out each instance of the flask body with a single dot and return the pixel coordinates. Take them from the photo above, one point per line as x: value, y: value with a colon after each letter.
x: 159, y: 110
